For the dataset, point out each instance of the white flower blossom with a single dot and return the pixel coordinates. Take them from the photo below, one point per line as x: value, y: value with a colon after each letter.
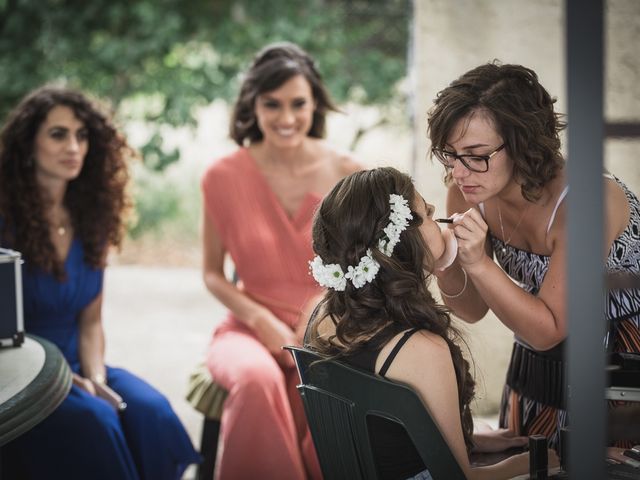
x: 364, y: 272
x: 332, y: 275
x: 329, y: 276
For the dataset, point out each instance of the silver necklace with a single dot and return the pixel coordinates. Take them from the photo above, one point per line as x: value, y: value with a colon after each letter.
x: 504, y: 239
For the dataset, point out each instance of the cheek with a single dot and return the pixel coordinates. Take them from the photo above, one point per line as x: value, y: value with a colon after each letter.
x: 305, y: 115
x: 262, y: 115
x: 433, y: 238
x: 437, y: 245
x: 42, y: 150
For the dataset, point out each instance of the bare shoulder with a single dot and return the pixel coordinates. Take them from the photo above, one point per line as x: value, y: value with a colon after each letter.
x: 342, y: 161
x: 346, y: 163
x: 617, y: 207
x: 422, y: 348
x: 427, y: 344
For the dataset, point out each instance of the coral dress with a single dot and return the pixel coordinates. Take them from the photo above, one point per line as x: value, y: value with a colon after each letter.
x: 84, y: 438
x: 263, y: 428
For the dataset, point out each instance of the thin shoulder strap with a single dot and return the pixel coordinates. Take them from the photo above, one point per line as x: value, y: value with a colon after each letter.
x: 563, y: 194
x: 396, y: 349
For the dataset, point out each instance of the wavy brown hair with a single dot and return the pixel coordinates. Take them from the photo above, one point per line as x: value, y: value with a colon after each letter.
x: 96, y: 199
x: 273, y: 66
x: 350, y: 220
x: 522, y: 113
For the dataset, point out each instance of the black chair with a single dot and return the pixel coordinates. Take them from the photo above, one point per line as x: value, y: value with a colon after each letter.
x: 207, y: 397
x: 337, y: 401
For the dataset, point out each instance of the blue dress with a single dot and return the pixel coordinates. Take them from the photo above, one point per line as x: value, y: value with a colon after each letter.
x: 85, y: 438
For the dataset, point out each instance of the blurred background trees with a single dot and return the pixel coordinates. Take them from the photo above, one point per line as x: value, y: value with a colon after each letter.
x: 158, y: 61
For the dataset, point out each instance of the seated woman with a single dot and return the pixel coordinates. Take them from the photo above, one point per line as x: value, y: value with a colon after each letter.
x: 62, y: 197
x: 376, y: 244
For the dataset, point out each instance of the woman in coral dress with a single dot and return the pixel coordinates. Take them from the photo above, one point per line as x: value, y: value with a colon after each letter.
x: 258, y: 207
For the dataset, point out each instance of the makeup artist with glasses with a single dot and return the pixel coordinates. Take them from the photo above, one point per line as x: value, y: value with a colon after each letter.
x: 496, y: 132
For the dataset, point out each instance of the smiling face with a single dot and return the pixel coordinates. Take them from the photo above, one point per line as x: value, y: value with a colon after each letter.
x: 285, y: 115
x: 60, y: 145
x: 475, y: 134
x: 430, y: 230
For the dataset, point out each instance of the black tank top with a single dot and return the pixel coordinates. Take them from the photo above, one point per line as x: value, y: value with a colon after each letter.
x: 396, y: 455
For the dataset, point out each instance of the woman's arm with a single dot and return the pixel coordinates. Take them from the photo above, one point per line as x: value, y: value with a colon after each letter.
x: 271, y: 331
x: 540, y: 319
x: 91, y: 346
x: 438, y: 389
x: 458, y: 291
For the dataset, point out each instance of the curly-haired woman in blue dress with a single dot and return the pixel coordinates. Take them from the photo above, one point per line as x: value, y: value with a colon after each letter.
x: 63, y: 177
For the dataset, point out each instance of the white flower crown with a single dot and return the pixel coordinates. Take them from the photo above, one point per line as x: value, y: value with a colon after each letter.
x: 332, y: 275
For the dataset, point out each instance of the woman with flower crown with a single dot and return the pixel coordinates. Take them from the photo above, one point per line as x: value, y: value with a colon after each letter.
x: 376, y: 262
x: 258, y: 207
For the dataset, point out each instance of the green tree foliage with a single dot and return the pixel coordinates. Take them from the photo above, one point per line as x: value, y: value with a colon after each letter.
x: 156, y: 61
x: 169, y: 56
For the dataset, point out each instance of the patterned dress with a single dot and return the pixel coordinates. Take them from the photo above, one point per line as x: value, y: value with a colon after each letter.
x: 533, y: 400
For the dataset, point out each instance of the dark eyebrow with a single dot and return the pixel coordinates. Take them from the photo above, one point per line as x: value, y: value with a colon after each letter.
x: 471, y: 147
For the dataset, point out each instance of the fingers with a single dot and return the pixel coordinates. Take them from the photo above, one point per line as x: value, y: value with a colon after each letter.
x: 84, y: 383
x: 471, y: 231
x: 470, y: 221
x: 519, y: 441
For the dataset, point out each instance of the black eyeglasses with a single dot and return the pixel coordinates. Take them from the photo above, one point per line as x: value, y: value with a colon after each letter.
x: 475, y: 163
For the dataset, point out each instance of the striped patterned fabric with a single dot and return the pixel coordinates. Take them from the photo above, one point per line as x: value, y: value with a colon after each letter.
x: 533, y: 412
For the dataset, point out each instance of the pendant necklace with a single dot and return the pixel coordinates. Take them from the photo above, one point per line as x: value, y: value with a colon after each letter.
x: 504, y: 239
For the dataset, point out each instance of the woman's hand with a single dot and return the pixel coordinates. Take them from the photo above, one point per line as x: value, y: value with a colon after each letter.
x: 471, y: 232
x: 274, y: 334
x: 84, y: 383
x: 489, y: 441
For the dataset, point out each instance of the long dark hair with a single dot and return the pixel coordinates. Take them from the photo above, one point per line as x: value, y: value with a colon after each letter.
x: 274, y: 65
x: 522, y: 113
x: 96, y: 199
x: 350, y: 220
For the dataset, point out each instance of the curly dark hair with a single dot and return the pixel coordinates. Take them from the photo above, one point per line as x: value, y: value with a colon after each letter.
x: 522, y: 113
x: 350, y: 220
x: 274, y: 65
x: 96, y: 199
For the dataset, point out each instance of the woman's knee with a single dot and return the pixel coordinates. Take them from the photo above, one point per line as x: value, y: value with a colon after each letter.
x: 94, y: 416
x: 261, y: 379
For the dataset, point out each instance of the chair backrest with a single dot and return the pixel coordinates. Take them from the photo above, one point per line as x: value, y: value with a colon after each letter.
x: 337, y: 401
